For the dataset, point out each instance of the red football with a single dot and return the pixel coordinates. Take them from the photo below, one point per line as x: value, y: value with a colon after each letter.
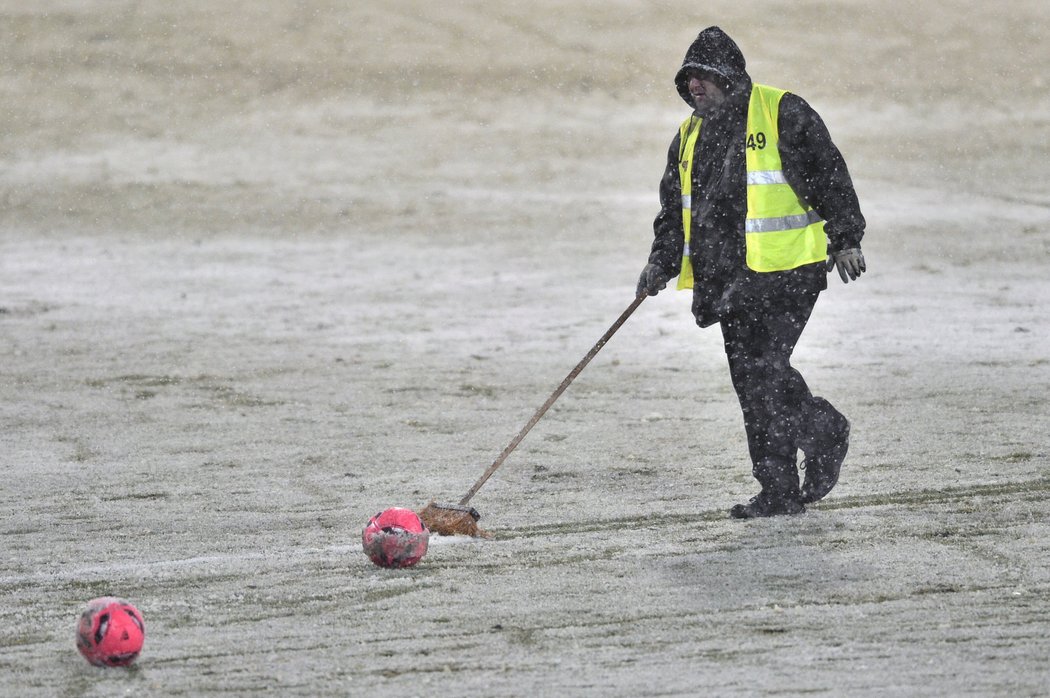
x: 395, y: 538
x: 110, y: 632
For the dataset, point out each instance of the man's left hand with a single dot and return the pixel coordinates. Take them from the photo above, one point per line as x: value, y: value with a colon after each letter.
x: 849, y: 262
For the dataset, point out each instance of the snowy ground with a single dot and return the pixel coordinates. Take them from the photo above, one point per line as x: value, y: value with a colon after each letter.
x: 269, y: 268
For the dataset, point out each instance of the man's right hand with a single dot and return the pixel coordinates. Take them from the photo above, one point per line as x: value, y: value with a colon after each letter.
x: 652, y: 281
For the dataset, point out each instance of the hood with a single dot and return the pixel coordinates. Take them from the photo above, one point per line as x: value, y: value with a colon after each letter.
x: 713, y: 51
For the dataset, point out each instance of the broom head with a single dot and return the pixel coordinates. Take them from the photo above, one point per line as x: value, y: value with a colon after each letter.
x: 452, y: 520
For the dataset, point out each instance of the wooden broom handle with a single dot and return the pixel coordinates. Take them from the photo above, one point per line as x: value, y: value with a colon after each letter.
x: 550, y: 401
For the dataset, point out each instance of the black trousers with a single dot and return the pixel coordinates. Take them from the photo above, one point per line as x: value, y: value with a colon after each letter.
x: 780, y: 413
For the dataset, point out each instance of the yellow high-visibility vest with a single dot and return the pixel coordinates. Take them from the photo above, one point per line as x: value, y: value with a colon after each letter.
x: 689, y: 132
x: 781, y: 230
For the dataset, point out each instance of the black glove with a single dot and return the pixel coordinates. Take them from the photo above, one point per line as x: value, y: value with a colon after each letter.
x: 850, y: 263
x: 652, y: 281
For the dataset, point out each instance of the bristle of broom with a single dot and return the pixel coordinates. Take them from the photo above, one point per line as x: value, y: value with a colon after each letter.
x: 451, y: 522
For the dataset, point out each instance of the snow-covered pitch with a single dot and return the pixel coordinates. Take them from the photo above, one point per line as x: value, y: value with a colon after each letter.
x: 267, y: 268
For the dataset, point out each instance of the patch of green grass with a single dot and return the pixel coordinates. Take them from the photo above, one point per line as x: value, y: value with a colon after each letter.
x: 235, y: 398
x: 938, y: 589
x: 772, y: 631
x: 85, y: 589
x: 374, y: 595
x: 475, y: 389
x: 83, y: 453
x: 8, y: 640
x: 136, y: 495
x: 1015, y: 457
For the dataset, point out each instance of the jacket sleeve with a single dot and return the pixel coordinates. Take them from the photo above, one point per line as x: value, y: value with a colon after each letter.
x: 816, y: 170
x: 669, y: 238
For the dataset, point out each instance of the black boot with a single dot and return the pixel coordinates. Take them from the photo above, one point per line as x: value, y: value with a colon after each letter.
x: 780, y: 493
x: 825, y: 446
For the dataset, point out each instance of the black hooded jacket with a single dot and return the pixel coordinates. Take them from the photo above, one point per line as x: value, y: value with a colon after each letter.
x: 812, y: 165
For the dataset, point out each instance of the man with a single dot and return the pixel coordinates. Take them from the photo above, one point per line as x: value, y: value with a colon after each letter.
x: 756, y: 208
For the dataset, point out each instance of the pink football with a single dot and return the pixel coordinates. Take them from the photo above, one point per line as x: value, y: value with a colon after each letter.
x: 395, y: 538
x: 110, y: 632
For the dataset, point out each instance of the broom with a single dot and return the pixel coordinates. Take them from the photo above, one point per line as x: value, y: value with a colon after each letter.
x: 461, y: 519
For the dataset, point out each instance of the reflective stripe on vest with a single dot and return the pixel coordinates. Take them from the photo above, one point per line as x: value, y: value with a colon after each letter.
x: 782, y: 232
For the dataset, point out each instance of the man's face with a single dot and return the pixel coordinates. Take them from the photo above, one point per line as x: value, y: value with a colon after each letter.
x: 707, y: 93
